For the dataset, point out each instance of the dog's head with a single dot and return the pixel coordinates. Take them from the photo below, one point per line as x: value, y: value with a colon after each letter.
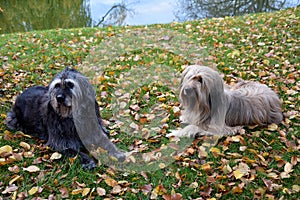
x: 201, y: 94
x: 62, y: 89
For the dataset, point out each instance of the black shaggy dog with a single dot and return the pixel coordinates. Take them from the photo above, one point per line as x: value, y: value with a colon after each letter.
x: 48, y: 114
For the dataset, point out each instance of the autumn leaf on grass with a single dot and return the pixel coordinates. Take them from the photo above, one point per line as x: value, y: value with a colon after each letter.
x: 33, y: 190
x: 146, y: 189
x: 64, y: 192
x: 86, y: 191
x: 116, y: 190
x: 111, y: 182
x: 31, y: 169
x: 55, y: 156
x: 101, y: 191
x: 242, y: 170
x: 288, y: 168
x: 159, y: 190
x: 175, y: 196
x: 5, y: 149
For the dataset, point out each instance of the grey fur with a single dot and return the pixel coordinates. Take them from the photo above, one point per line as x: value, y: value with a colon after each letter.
x: 49, y: 112
x: 217, y: 109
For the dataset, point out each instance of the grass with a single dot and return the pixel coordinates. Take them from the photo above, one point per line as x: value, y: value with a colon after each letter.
x: 126, y: 60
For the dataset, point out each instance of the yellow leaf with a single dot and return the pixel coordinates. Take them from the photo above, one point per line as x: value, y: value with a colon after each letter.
x: 111, y: 182
x: 162, y: 165
x: 205, y: 167
x: 86, y: 191
x: 238, y: 174
x: 14, y: 179
x: 77, y: 191
x: 25, y: 145
x: 160, y: 190
x: 272, y: 127
x: 215, y: 150
x: 6, y: 149
x: 33, y: 190
x: 235, y: 138
x: 266, y: 62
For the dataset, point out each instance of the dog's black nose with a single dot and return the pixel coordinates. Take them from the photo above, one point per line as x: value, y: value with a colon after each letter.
x: 60, y: 98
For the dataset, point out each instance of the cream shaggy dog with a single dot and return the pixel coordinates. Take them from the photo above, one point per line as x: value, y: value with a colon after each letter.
x: 212, y: 108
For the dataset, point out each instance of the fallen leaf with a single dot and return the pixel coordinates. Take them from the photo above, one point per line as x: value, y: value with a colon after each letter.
x: 116, y: 189
x: 31, y: 169
x: 64, y: 192
x: 10, y: 189
x: 33, y: 190
x: 77, y: 191
x: 55, y: 156
x: 111, y: 182
x: 5, y: 149
x: 25, y: 145
x: 86, y: 191
x: 101, y: 191
x: 288, y: 168
x: 175, y: 196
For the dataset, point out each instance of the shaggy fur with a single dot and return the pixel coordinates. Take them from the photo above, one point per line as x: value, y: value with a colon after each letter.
x: 210, y: 107
x: 48, y: 113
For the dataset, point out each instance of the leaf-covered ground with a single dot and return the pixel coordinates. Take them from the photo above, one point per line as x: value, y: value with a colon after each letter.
x: 140, y: 67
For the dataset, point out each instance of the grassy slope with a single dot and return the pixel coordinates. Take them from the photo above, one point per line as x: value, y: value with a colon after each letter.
x: 263, y: 47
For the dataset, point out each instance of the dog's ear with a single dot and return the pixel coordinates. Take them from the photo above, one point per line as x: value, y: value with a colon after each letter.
x: 70, y: 69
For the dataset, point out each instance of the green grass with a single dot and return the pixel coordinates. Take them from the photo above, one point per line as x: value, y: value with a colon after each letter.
x: 262, y: 47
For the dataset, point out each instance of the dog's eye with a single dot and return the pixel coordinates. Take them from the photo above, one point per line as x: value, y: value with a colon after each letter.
x: 197, y: 78
x: 57, y: 85
x: 70, y: 85
x: 200, y: 79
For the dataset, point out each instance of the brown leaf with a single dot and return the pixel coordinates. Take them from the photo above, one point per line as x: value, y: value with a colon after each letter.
x: 206, y: 192
x: 237, y: 190
x: 64, y: 192
x: 146, y: 189
x: 175, y: 196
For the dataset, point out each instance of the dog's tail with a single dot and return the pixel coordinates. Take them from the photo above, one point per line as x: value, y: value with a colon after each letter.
x: 12, y: 121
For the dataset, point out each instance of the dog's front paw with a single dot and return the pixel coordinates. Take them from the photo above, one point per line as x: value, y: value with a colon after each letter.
x: 175, y: 133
